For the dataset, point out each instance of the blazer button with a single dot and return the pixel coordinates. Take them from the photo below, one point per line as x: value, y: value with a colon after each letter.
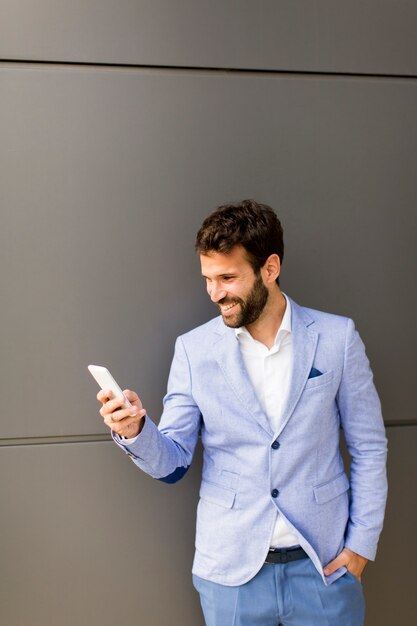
x: 275, y: 445
x: 274, y: 493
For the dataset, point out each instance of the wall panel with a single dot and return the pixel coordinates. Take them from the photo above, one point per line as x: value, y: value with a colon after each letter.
x: 360, y: 36
x: 105, y: 177
x: 88, y: 539
x: 390, y: 582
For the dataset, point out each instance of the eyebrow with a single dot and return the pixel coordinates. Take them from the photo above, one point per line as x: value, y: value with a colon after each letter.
x: 231, y: 273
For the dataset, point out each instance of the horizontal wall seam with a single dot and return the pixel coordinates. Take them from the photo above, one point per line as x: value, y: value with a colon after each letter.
x: 99, y: 438
x: 195, y: 69
x: 53, y: 439
x: 400, y: 423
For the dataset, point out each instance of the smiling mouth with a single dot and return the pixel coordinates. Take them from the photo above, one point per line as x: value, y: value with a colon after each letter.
x: 227, y: 309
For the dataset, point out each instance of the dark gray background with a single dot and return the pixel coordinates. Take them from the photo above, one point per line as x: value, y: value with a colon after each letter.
x: 122, y: 124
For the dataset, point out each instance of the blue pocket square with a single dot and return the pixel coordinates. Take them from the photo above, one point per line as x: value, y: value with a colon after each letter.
x: 314, y: 373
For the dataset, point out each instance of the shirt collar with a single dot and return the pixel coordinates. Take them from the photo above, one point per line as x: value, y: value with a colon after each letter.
x: 285, y: 328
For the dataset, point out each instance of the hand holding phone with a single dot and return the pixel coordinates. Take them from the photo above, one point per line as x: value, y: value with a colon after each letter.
x: 123, y: 415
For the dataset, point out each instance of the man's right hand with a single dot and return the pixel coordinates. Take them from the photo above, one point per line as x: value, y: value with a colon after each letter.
x: 125, y: 422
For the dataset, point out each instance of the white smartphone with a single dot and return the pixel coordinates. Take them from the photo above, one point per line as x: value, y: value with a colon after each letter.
x: 106, y: 381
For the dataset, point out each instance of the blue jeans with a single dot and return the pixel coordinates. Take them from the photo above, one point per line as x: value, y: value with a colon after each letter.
x: 291, y: 594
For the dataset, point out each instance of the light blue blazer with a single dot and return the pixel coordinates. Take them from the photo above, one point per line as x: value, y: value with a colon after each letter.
x: 251, y: 472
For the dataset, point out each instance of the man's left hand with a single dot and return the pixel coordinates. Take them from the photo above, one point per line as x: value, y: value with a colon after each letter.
x: 354, y: 563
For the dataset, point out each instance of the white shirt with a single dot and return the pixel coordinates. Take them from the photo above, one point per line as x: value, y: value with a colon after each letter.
x: 269, y: 371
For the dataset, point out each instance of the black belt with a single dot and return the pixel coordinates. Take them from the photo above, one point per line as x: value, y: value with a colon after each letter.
x: 285, y: 555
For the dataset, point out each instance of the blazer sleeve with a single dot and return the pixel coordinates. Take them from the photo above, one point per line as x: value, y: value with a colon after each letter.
x: 165, y: 452
x: 363, y: 426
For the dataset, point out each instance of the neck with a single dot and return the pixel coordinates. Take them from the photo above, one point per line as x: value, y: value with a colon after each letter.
x: 267, y: 325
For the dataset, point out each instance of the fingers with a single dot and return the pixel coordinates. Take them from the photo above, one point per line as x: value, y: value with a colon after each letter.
x: 119, y: 420
x: 110, y: 406
x: 354, y: 563
x: 132, y: 396
x: 104, y: 395
x: 126, y: 421
x: 339, y: 561
x: 117, y: 416
x: 116, y: 409
x: 128, y: 427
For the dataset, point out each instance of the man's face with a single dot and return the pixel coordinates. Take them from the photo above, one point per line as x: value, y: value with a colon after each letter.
x: 239, y: 293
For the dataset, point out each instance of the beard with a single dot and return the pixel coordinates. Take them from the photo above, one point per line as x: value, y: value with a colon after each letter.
x: 250, y: 308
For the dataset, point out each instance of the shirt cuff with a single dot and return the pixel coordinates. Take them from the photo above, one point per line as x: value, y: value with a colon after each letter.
x: 127, y: 441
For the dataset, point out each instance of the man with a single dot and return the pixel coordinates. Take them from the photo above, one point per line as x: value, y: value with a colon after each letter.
x: 268, y: 385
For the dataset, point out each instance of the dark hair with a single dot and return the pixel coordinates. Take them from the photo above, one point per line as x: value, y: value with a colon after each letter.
x: 254, y: 226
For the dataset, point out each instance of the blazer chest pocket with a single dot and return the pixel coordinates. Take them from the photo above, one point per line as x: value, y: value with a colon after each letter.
x: 332, y: 489
x: 217, y: 494
x: 318, y: 381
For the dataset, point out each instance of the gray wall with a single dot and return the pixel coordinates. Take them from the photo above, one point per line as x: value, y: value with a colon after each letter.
x: 122, y: 125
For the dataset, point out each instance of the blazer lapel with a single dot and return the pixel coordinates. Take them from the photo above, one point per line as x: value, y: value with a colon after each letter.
x: 229, y: 358
x: 304, y: 344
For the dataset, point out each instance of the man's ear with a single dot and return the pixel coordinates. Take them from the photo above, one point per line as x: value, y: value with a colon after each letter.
x: 271, y: 268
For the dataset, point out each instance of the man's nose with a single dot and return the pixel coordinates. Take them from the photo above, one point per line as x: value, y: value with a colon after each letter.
x: 216, y: 293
